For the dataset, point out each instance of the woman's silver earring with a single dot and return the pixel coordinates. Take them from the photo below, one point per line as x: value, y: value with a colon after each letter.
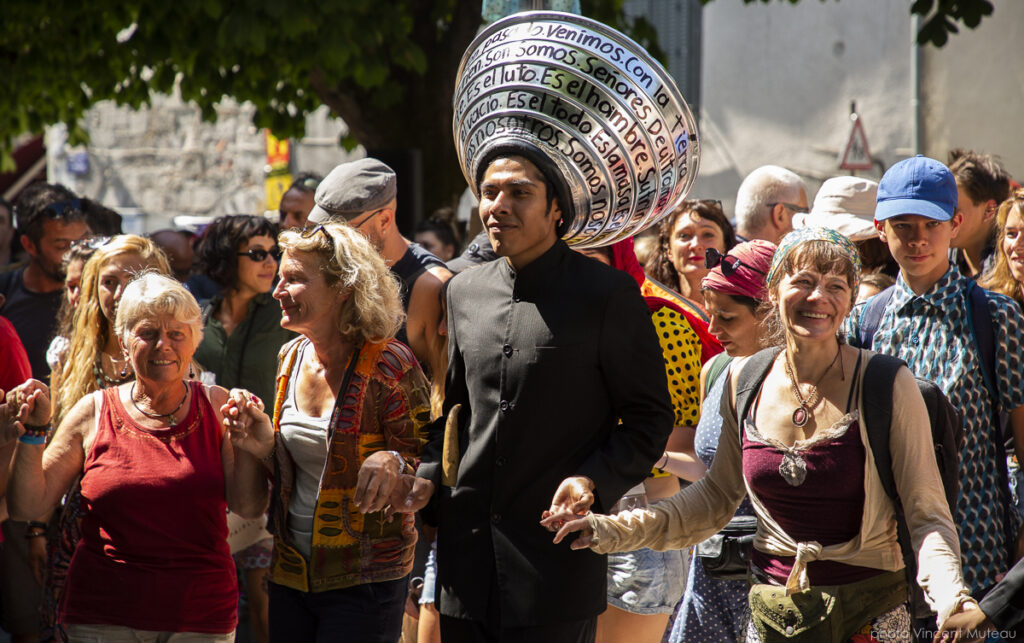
x: 124, y: 370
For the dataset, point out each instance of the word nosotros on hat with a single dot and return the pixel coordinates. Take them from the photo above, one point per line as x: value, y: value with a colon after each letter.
x: 353, y: 188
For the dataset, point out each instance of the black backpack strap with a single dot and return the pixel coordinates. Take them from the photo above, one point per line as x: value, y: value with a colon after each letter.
x: 750, y: 379
x: 984, y: 336
x: 871, y: 317
x: 879, y: 381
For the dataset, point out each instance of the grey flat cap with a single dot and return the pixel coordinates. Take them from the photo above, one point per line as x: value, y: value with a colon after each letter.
x: 353, y: 188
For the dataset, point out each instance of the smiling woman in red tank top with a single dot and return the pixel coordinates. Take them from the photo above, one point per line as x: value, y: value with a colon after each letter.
x: 157, y: 476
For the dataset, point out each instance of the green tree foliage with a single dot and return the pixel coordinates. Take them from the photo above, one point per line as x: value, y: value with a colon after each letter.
x: 939, y: 17
x: 387, y: 67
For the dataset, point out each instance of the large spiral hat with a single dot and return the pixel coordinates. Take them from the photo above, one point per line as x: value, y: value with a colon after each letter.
x: 586, y: 103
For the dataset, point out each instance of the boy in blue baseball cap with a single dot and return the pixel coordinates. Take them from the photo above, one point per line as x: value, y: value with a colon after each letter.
x: 964, y: 338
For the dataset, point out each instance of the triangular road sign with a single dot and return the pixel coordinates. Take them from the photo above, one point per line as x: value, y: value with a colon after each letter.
x: 856, y: 156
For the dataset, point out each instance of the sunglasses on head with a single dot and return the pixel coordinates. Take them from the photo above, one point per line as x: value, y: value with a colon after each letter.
x: 260, y: 254
x: 730, y: 264
x: 309, y: 231
x: 63, y: 208
x: 92, y: 243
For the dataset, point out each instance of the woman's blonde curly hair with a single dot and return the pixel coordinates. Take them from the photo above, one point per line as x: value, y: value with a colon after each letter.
x: 999, y: 278
x: 373, y: 311
x: 90, y: 329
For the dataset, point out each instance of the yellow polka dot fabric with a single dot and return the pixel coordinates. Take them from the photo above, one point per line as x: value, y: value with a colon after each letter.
x: 681, y: 349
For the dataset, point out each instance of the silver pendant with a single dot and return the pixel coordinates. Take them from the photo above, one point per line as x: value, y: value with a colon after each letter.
x: 793, y: 469
x: 800, y: 416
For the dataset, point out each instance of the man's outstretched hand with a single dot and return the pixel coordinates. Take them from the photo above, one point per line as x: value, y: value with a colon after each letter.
x: 572, y: 499
x: 409, y: 494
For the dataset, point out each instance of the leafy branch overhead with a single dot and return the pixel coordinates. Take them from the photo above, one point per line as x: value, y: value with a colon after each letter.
x: 386, y: 67
x: 939, y: 18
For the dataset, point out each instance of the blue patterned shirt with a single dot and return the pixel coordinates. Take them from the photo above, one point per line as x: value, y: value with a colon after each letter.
x: 931, y: 333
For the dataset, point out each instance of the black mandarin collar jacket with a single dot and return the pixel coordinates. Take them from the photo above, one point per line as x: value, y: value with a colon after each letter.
x: 545, y: 361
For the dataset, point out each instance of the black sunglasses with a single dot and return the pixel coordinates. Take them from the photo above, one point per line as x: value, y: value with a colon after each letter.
x: 259, y: 254
x: 63, y: 208
x: 730, y: 264
x: 309, y: 231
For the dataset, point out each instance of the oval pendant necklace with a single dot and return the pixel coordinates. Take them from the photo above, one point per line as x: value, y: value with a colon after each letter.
x: 802, y: 413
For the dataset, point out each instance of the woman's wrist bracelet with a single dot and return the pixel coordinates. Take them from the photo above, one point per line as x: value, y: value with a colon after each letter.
x: 35, y: 524
x: 37, y: 430
x: 29, y: 438
x: 663, y: 462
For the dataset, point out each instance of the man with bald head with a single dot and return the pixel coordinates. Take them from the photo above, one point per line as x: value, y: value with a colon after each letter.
x: 364, y: 193
x: 766, y: 202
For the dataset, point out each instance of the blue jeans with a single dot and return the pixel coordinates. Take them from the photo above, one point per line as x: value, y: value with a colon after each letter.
x: 371, y: 612
x: 646, y: 581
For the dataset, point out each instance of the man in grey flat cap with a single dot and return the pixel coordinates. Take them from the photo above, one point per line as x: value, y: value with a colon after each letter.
x: 363, y: 194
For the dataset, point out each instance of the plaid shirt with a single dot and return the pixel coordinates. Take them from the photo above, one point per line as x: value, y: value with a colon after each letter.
x: 931, y: 333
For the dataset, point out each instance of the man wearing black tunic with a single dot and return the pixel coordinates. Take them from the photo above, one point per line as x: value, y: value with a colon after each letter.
x: 549, y: 351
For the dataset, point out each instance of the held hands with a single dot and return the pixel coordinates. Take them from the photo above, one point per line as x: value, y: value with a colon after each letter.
x: 569, y: 506
x: 378, y: 477
x: 27, y: 403
x: 968, y: 623
x: 247, y: 425
x: 409, y: 495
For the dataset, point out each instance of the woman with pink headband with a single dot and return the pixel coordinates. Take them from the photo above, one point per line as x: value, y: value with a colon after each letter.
x: 733, y: 292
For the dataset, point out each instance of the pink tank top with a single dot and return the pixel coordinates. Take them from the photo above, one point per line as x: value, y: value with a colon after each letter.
x: 154, y: 552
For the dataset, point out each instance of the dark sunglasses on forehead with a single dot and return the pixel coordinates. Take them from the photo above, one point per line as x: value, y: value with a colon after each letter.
x: 61, y: 208
x: 309, y: 231
x: 730, y: 264
x: 92, y: 243
x: 260, y: 254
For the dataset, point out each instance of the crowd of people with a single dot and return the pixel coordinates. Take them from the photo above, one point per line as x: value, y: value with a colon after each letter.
x: 669, y: 438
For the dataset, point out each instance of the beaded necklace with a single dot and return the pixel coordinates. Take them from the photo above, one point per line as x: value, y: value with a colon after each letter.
x: 102, y: 379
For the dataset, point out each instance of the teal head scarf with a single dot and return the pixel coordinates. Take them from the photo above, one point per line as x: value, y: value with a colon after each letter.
x: 812, y: 233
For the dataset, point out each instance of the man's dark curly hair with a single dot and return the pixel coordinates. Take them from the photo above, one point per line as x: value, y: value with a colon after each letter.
x: 221, y: 241
x: 40, y: 202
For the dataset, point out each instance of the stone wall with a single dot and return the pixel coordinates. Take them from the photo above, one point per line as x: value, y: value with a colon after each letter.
x: 164, y: 161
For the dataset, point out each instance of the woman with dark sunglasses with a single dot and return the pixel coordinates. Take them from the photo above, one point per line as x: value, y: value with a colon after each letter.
x: 684, y: 237
x: 242, y: 331
x: 241, y: 337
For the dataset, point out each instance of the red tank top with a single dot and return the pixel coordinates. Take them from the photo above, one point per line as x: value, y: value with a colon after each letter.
x: 154, y: 552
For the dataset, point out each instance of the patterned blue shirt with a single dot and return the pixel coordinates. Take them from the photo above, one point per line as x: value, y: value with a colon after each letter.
x: 931, y: 333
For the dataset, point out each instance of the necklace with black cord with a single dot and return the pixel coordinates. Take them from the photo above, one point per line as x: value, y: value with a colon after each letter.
x: 170, y: 418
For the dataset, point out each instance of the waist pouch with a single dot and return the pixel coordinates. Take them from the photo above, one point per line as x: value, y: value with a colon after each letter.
x: 726, y: 555
x: 826, y: 613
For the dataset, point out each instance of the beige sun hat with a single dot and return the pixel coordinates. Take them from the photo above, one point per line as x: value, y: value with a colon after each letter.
x: 845, y: 204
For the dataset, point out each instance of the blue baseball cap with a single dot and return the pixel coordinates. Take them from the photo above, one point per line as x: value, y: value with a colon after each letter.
x: 917, y: 185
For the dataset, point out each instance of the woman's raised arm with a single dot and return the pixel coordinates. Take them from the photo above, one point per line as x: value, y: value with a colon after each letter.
x: 41, y: 475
